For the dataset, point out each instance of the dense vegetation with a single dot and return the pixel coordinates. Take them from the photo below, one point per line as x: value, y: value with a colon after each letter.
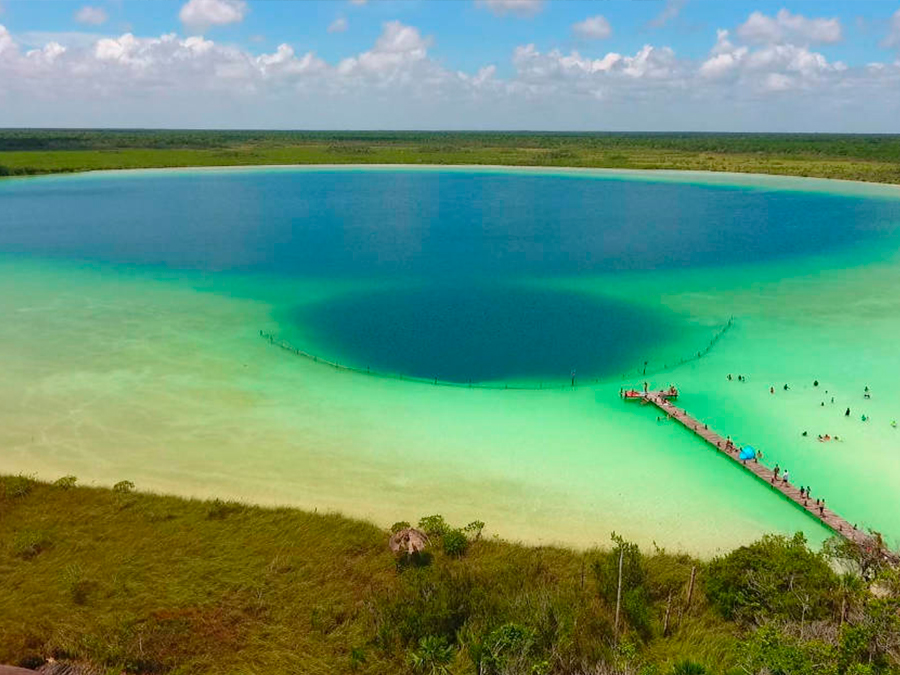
x: 856, y: 157
x: 139, y: 583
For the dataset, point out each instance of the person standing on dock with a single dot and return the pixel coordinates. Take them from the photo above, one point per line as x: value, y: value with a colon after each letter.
x: 784, y: 478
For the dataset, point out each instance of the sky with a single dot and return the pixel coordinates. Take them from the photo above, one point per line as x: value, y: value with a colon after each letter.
x: 597, y: 65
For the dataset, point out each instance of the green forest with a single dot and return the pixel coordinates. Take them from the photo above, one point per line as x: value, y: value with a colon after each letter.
x: 874, y: 158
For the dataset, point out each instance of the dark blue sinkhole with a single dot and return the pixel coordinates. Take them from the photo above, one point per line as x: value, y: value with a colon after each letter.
x: 481, y: 334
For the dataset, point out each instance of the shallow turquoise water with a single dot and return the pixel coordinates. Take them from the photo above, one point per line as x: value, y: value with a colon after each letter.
x: 134, y: 303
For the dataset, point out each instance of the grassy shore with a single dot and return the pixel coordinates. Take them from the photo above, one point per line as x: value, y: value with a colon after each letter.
x: 142, y: 583
x: 851, y: 157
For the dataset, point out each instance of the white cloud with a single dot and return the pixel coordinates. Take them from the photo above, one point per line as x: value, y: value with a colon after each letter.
x: 521, y: 8
x: 201, y: 14
x: 6, y: 41
x: 176, y: 81
x: 358, y: 2
x: 594, y: 28
x: 724, y: 57
x: 339, y: 25
x: 771, y: 67
x: 93, y: 16
x: 892, y: 39
x: 398, y: 47
x: 760, y: 28
x: 671, y: 10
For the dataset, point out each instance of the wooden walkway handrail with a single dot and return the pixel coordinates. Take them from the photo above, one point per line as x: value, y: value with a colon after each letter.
x: 839, y: 525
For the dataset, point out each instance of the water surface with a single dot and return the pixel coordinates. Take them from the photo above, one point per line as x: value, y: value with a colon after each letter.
x: 133, y: 302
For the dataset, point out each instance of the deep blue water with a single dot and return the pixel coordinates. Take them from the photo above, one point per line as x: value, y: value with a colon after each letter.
x: 487, y: 332
x: 459, y: 238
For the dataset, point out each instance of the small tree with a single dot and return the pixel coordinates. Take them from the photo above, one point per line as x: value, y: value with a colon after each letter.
x: 434, y: 526
x: 474, y: 529
x: 455, y: 543
x: 123, y: 487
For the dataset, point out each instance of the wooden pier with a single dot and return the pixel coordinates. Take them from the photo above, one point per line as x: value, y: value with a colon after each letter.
x: 663, y: 401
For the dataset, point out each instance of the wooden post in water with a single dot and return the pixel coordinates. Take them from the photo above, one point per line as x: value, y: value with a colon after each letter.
x: 619, y: 591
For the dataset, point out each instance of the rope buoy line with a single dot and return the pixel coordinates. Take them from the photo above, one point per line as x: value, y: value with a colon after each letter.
x: 433, y: 381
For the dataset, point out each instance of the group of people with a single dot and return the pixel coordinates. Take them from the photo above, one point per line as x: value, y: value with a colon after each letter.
x: 740, y: 378
x: 805, y: 491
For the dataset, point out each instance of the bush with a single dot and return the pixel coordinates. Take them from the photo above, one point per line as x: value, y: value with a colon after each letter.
x: 455, y: 543
x: 688, y: 668
x: 432, y: 656
x: 474, y: 529
x: 14, y: 487
x: 434, y: 526
x: 123, y: 487
x: 506, y: 647
x: 606, y: 569
x: 66, y: 482
x: 401, y: 525
x: 774, y: 578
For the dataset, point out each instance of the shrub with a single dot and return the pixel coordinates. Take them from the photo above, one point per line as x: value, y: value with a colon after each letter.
x: 66, y: 482
x: 16, y: 486
x: 505, y: 648
x: 606, y: 569
x: 455, y: 543
x: 432, y: 656
x: 688, y: 668
x: 474, y: 529
x: 400, y: 525
x: 774, y: 578
x: 123, y: 487
x: 434, y: 526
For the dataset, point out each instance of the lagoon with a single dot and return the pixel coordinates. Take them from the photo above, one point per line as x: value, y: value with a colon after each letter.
x: 132, y: 306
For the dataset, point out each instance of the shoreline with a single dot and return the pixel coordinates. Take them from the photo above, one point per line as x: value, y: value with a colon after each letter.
x: 682, y: 176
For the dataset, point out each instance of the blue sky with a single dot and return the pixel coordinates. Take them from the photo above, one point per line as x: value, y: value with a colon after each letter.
x: 551, y: 64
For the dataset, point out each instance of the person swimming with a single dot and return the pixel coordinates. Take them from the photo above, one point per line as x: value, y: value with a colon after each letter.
x: 847, y: 414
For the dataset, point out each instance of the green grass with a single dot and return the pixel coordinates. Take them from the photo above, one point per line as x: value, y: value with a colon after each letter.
x: 853, y: 157
x: 142, y: 583
x: 161, y: 584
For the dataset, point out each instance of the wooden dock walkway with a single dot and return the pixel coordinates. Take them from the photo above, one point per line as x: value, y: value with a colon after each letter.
x: 663, y: 401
